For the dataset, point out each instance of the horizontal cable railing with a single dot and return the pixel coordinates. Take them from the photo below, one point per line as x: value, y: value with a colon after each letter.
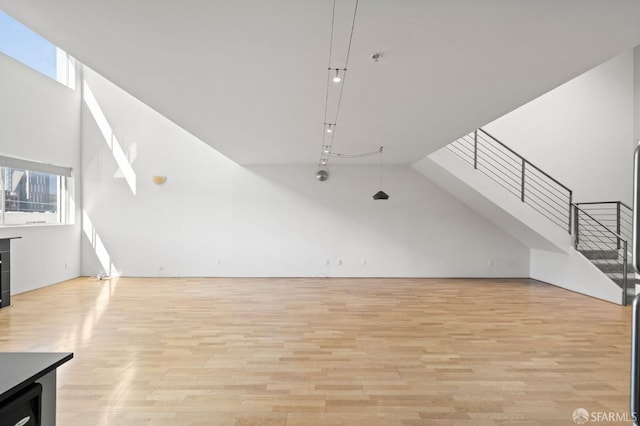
x: 615, y: 215
x: 596, y: 241
x: 517, y: 175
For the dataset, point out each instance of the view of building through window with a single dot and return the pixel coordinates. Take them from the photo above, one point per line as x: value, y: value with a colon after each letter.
x: 31, y: 197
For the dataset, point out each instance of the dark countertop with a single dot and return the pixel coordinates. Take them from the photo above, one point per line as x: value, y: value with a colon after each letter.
x: 20, y: 369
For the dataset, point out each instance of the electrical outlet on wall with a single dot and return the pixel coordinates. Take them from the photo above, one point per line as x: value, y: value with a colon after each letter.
x: 340, y: 262
x: 327, y: 262
x: 364, y: 262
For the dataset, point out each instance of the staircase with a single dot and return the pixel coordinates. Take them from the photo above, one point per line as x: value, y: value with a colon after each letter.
x: 603, y: 230
x: 600, y: 230
x: 608, y: 262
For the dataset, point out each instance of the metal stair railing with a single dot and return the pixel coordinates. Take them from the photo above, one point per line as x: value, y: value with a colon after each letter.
x: 517, y: 175
x: 615, y: 215
x: 597, y: 242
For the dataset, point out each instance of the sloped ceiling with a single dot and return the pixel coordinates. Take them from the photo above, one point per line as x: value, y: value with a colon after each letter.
x: 248, y: 77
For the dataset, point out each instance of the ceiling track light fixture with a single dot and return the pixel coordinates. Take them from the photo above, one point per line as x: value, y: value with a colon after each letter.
x: 336, y: 78
x: 335, y: 75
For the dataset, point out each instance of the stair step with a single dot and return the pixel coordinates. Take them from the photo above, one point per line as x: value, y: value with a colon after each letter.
x: 611, y: 267
x: 631, y: 282
x: 619, y: 274
x: 599, y: 254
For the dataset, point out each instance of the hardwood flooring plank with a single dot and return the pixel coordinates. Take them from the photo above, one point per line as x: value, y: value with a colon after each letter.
x: 293, y: 352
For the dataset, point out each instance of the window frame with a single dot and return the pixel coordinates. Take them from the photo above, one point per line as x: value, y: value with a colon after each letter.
x: 62, y: 176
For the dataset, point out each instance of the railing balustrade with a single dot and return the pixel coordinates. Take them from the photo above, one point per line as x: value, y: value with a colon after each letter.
x: 517, y: 175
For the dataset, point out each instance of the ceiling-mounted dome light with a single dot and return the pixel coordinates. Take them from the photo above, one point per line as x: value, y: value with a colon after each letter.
x: 326, y: 150
x: 330, y: 127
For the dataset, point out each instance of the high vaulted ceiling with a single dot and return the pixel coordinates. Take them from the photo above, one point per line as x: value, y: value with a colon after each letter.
x: 248, y: 77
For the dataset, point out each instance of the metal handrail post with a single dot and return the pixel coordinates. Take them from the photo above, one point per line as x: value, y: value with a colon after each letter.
x: 576, y: 227
x: 524, y: 162
x: 624, y: 273
x: 570, y: 208
x: 618, y: 224
x: 475, y: 149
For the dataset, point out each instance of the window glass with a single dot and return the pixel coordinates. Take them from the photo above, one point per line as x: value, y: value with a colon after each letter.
x: 22, y: 44
x: 31, y: 197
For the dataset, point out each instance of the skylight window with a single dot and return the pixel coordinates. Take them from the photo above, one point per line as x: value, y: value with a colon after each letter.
x: 22, y: 44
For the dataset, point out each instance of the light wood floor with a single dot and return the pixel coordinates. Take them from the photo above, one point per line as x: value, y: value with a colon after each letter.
x: 325, y: 351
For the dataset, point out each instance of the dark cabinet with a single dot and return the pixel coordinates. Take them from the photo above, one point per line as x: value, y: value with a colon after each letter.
x: 23, y: 409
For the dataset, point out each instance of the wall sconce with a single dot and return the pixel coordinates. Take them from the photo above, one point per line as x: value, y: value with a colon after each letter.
x: 158, y: 180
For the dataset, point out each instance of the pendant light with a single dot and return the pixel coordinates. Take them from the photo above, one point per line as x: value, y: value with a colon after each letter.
x: 380, y: 195
x: 322, y: 174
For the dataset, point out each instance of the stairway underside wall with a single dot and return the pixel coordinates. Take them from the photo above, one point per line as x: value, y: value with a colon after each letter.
x: 574, y: 272
x: 492, y: 201
x: 552, y: 257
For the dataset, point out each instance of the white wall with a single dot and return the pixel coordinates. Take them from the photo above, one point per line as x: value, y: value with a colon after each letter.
x: 40, y: 121
x: 215, y: 218
x: 483, y: 195
x: 580, y: 133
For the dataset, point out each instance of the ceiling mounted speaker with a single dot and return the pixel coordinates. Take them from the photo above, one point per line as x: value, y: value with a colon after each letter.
x: 380, y: 195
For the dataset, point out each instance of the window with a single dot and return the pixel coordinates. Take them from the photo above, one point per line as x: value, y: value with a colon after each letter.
x: 22, y: 44
x: 32, y: 192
